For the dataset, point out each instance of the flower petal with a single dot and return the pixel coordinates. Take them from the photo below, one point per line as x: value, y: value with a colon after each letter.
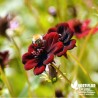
x: 63, y: 52
x: 26, y: 57
x: 85, y: 25
x: 31, y: 49
x: 30, y: 64
x: 49, y: 59
x: 50, y: 39
x: 39, y: 69
x: 52, y: 30
x: 56, y: 48
x: 71, y: 44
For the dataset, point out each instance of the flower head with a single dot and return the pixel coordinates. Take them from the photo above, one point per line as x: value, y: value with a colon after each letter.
x: 65, y: 35
x: 42, y: 52
x: 6, y: 23
x: 81, y: 29
x: 3, y: 58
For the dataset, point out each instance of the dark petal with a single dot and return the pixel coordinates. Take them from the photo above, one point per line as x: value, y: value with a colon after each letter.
x: 67, y: 35
x: 75, y: 25
x: 50, y: 39
x: 56, y: 48
x: 26, y: 57
x: 63, y: 52
x: 49, y: 59
x: 4, y: 54
x: 83, y: 34
x: 71, y: 44
x: 4, y: 57
x: 86, y: 32
x: 62, y: 27
x: 31, y: 48
x: 65, y: 31
x: 30, y: 64
x: 39, y: 69
x: 52, y: 30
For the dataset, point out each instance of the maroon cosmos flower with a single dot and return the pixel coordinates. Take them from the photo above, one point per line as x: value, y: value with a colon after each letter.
x: 5, y: 24
x: 81, y: 29
x: 3, y: 58
x: 41, y: 52
x: 65, y: 35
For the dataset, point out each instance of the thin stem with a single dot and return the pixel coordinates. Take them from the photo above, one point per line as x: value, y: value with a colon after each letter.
x: 82, y: 52
x: 30, y: 93
x: 73, y: 57
x: 65, y: 77
x: 61, y: 73
x: 18, y: 50
x: 5, y: 80
x: 85, y: 42
x: 81, y: 66
x: 77, y: 61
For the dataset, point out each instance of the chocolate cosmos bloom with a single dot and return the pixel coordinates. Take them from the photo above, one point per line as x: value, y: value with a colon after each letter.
x: 81, y: 29
x: 3, y: 58
x: 4, y: 25
x: 42, y: 52
x: 65, y: 35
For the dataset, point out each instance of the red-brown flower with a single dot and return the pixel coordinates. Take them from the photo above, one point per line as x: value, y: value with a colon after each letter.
x: 65, y: 35
x: 42, y: 52
x: 81, y: 29
x: 3, y: 58
x: 5, y: 24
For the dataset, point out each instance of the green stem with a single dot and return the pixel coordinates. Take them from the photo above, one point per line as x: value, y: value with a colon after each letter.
x: 81, y: 66
x: 18, y: 50
x: 61, y: 73
x: 5, y: 80
x: 65, y: 77
x: 85, y: 42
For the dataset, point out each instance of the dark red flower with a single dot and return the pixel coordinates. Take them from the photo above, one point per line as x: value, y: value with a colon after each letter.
x: 81, y: 29
x: 42, y: 52
x: 65, y: 35
x: 3, y: 58
x: 5, y: 24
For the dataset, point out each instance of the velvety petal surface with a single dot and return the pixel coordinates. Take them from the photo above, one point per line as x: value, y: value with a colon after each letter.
x: 71, y: 44
x: 50, y: 39
x: 49, y: 59
x: 30, y: 64
x: 39, y: 69
x: 27, y: 56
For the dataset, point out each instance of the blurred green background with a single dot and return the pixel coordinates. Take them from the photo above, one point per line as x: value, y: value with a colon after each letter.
x: 35, y: 17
